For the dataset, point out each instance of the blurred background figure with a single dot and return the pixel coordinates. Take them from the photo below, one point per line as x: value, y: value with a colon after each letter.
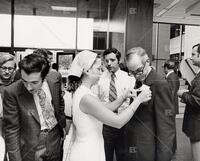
x: 191, y: 97
x: 7, y: 69
x: 173, y: 80
x: 47, y: 55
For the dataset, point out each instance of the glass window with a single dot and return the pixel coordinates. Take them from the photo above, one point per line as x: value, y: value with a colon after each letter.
x: 45, y: 24
x: 117, y: 25
x: 5, y: 27
x: 92, y: 19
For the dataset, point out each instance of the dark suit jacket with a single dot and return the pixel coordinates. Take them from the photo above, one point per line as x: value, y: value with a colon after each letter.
x: 191, y: 121
x: 21, y: 119
x: 150, y: 134
x: 174, y: 83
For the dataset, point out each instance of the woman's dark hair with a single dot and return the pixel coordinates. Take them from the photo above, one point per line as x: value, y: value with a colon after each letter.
x: 34, y: 63
x: 55, y: 66
x: 112, y: 50
x: 73, y: 83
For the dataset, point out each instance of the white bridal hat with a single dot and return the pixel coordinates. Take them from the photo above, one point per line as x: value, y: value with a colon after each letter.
x: 82, y: 62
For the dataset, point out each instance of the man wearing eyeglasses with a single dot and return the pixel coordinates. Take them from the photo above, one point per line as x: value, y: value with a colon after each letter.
x: 150, y: 134
x: 7, y: 69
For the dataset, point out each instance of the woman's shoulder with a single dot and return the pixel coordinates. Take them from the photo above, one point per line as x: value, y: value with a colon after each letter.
x: 81, y: 91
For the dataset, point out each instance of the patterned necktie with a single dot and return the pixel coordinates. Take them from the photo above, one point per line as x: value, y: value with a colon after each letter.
x: 47, y: 110
x: 112, y: 91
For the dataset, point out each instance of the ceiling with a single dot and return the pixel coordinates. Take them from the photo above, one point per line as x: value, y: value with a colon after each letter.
x: 183, y: 11
x: 86, y: 8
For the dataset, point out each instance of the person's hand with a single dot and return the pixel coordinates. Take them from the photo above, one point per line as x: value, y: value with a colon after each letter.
x: 129, y: 93
x: 145, y: 95
x: 181, y: 91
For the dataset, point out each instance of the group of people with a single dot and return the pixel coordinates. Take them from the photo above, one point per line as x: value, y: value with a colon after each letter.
x: 138, y: 124
x: 129, y: 115
x: 33, y: 108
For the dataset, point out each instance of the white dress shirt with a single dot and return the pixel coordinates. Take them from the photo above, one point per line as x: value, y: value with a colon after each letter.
x: 45, y: 87
x: 123, y: 82
x: 169, y: 73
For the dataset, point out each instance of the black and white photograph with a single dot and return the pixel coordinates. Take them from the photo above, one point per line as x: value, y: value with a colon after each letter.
x: 100, y: 80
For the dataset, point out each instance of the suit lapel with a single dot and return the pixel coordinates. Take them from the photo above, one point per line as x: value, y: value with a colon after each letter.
x: 54, y: 90
x: 195, y: 81
x: 150, y: 78
x: 27, y: 100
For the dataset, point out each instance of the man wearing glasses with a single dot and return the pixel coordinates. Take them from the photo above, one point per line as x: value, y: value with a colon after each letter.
x: 7, y: 69
x: 150, y: 134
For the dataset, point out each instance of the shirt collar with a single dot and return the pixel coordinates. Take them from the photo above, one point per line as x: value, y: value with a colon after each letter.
x: 117, y: 73
x: 169, y: 73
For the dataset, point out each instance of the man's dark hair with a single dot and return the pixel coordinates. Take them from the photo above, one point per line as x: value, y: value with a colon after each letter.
x: 169, y: 64
x: 43, y: 52
x: 55, y: 66
x: 112, y: 50
x: 198, y: 47
x: 34, y: 63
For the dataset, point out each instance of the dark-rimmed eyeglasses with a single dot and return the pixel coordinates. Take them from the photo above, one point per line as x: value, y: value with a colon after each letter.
x: 10, y: 69
x: 139, y: 71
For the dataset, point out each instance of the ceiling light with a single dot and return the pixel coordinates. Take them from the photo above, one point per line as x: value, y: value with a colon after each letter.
x: 172, y: 4
x: 167, y: 8
x: 161, y: 12
x: 61, y: 8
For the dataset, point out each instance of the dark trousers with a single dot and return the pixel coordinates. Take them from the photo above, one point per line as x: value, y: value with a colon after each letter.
x: 113, y: 143
x: 49, y: 149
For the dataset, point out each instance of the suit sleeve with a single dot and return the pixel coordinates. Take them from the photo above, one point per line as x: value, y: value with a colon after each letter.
x: 62, y: 117
x: 165, y: 122
x: 172, y: 84
x: 11, y: 125
x: 192, y: 98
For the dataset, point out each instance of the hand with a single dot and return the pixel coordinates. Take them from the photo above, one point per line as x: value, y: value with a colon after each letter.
x: 129, y: 93
x: 145, y: 95
x: 181, y: 91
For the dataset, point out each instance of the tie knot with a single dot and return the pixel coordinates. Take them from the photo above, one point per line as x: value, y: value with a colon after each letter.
x: 113, y: 75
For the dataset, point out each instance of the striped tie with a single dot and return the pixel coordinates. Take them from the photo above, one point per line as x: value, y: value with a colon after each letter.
x: 113, y: 91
